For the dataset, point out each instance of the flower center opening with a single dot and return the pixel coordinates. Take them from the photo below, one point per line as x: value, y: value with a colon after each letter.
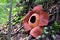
x: 33, y: 19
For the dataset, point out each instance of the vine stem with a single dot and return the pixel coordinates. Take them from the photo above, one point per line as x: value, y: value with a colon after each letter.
x: 10, y: 22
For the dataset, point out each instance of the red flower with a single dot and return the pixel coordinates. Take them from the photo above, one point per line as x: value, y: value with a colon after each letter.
x: 35, y: 20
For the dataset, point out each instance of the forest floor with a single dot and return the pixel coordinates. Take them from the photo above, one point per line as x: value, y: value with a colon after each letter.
x: 17, y: 33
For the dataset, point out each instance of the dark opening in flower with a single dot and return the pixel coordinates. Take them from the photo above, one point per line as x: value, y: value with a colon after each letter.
x: 33, y: 19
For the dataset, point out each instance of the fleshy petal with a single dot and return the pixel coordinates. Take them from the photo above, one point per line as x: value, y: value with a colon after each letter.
x: 25, y: 21
x: 26, y: 26
x: 27, y: 16
x: 35, y: 32
x: 44, y: 17
x: 37, y: 8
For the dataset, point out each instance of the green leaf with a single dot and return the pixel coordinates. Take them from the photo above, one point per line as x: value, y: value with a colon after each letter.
x: 56, y: 26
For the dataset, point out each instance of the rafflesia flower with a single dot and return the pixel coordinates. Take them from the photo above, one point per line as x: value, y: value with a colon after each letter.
x: 35, y: 20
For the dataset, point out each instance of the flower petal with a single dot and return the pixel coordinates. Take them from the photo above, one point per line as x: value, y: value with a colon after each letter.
x: 37, y: 8
x: 44, y: 17
x: 25, y: 21
x: 35, y: 32
x: 26, y: 26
